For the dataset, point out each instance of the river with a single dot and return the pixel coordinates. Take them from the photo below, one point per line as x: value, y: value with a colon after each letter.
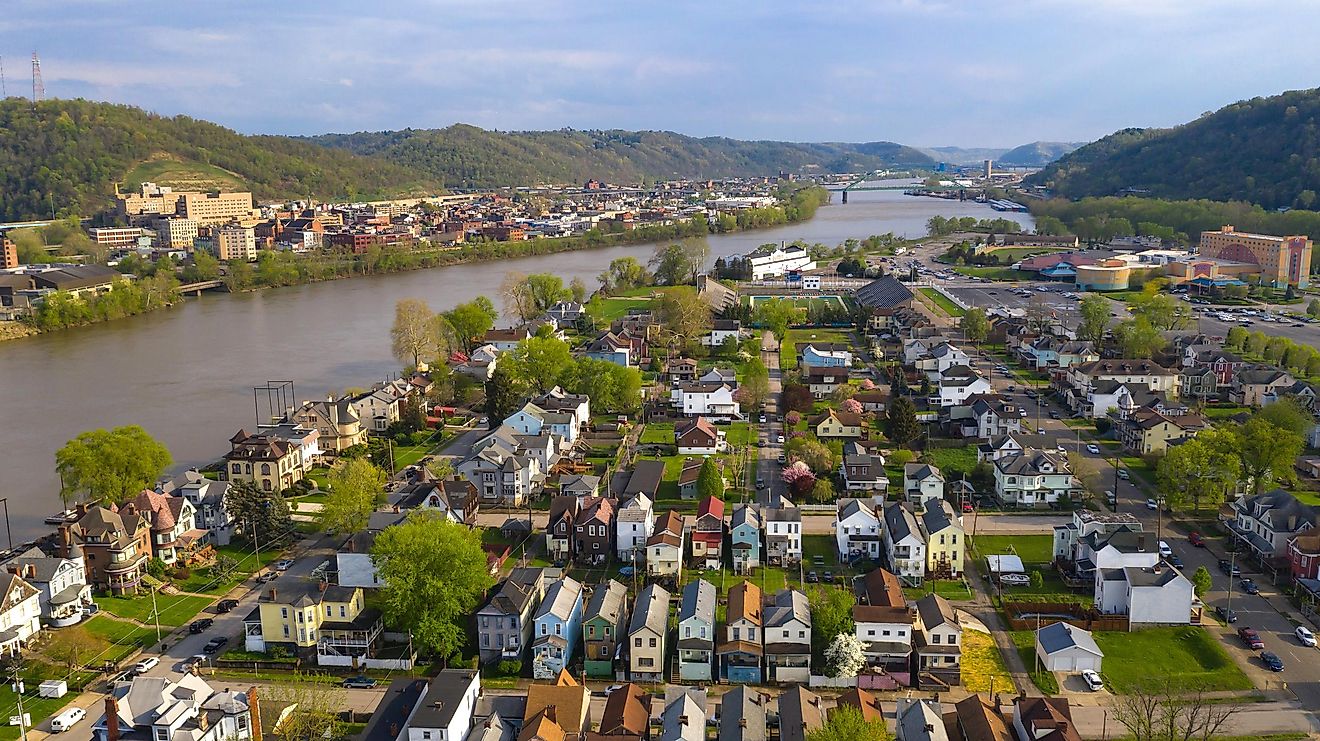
x: 186, y: 374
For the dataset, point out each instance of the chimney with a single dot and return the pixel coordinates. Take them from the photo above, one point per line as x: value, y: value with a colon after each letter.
x: 273, y: 594
x: 929, y: 728
x: 322, y: 585
x: 202, y: 720
x: 1141, y: 542
x: 111, y: 719
x: 254, y: 708
x: 742, y: 722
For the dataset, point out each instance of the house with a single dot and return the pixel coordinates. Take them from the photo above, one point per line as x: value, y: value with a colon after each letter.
x: 919, y: 720
x: 938, y: 641
x: 457, y: 500
x: 824, y: 355
x: 579, y: 484
x: 722, y: 330
x: 565, y: 704
x: 567, y: 313
x: 377, y: 408
x: 690, y: 474
x: 20, y: 613
x: 1198, y: 384
x: 698, y: 436
x: 783, y: 533
x: 559, y: 527
x: 681, y: 370
x: 533, y: 420
x: 593, y: 531
x: 800, y: 713
x: 787, y: 620
x: 976, y: 717
x: 626, y: 717
x: 633, y: 525
x: 1115, y: 399
x: 696, y: 631
x: 505, y: 340
x: 683, y: 719
x: 708, y: 535
x: 994, y: 415
x: 946, y: 543
x: 1063, y: 647
x: 61, y: 583
x: 664, y: 549
x: 155, y: 708
x: 922, y: 482
x: 863, y: 467
x: 442, y: 707
x: 556, y: 627
x: 337, y: 424
x: 745, y: 538
x: 1044, y: 719
x: 706, y: 400
x: 210, y: 503
x: 1252, y: 385
x: 507, y: 468
x: 904, y: 547
x: 643, y: 479
x: 835, y: 424
x: 559, y: 401
x: 1117, y: 549
x: 823, y: 380
x: 271, y: 464
x: 479, y: 364
x: 1004, y: 446
x: 1035, y: 478
x: 504, y: 623
x: 1221, y: 363
x: 351, y: 566
x: 327, y: 621
x: 173, y: 521
x: 873, y: 400
x: 612, y: 348
x: 648, y: 630
x: 115, y: 546
x: 1304, y: 556
x: 1147, y: 432
x: 1056, y: 352
x: 1266, y: 522
x: 1084, y: 376
x: 940, y: 358
x: 856, y: 530
x: 1072, y: 539
x: 603, y: 623
x: 884, y: 628
x: 1149, y: 596
x: 741, y: 652
x: 720, y: 375
x: 743, y: 715
x: 960, y: 383
x: 865, y: 703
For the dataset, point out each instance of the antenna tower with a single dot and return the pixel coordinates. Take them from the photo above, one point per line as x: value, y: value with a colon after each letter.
x: 3, y: 92
x: 38, y: 87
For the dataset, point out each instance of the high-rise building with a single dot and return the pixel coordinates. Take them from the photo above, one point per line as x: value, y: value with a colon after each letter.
x: 8, y: 254
x: 235, y: 242
x: 989, y: 168
x: 116, y: 236
x: 1281, y: 261
x: 176, y: 233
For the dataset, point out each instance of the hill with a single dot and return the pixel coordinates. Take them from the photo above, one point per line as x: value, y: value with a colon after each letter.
x: 465, y: 156
x: 1264, y: 151
x: 1037, y: 154
x: 965, y: 156
x: 66, y: 155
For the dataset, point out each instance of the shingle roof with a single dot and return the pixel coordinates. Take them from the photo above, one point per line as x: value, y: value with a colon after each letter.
x: 883, y: 293
x: 1062, y: 636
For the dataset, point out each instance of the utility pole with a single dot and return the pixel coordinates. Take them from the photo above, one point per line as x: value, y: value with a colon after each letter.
x: 17, y: 686
x: 155, y: 613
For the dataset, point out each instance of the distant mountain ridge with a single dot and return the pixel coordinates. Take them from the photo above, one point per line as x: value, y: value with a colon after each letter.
x: 1034, y: 154
x: 1263, y: 150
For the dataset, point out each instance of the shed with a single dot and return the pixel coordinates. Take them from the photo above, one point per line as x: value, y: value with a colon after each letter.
x: 1005, y: 565
x: 1063, y: 647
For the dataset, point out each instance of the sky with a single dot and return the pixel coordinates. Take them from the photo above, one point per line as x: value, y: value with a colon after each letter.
x: 919, y: 72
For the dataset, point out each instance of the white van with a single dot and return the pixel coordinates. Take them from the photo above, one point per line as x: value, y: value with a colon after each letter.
x: 146, y: 664
x: 66, y: 720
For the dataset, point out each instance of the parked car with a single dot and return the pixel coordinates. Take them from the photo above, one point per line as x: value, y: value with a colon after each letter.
x: 1093, y: 449
x: 1109, y: 497
x: 1165, y: 550
x: 226, y: 605
x: 782, y: 459
x: 1272, y: 661
x: 215, y: 644
x: 67, y: 719
x: 1195, y: 539
x: 283, y: 564
x: 1151, y: 504
x: 1014, y: 580
x: 1054, y: 414
x: 1123, y: 474
x: 146, y: 665
x: 198, y: 626
x: 967, y: 507
x: 1092, y: 680
x: 1249, y: 586
x: 827, y: 577
x: 268, y: 577
x: 812, y: 577
x: 626, y: 571
x: 1251, y: 638
x: 1305, y: 636
x: 360, y: 682
x: 1227, y: 614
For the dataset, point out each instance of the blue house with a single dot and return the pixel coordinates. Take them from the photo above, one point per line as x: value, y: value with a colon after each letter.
x: 740, y: 653
x: 824, y: 355
x: 696, y: 631
x: 556, y: 627
x: 611, y: 348
x: 745, y: 528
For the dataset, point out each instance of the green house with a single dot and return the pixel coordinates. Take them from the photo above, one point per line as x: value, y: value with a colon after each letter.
x: 605, y: 618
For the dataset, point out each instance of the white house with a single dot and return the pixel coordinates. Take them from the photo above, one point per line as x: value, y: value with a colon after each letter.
x: 774, y: 261
x: 954, y: 389
x: 445, y: 712
x: 1066, y: 648
x: 940, y: 359
x: 61, y: 581
x: 856, y: 530
x: 783, y: 533
x: 533, y: 420
x: 378, y: 409
x: 922, y: 482
x: 162, y: 708
x: 904, y: 545
x: 721, y: 330
x: 1157, y: 595
x: 20, y: 614
x: 713, y: 400
x: 634, y: 522
x: 1035, y: 477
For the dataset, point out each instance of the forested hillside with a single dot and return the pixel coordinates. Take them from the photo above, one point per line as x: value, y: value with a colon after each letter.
x: 66, y: 156
x: 1264, y: 151
x: 468, y: 157
x: 1037, y: 154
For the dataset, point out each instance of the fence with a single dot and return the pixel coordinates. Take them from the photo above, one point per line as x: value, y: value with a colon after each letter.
x: 1023, y: 615
x: 838, y: 683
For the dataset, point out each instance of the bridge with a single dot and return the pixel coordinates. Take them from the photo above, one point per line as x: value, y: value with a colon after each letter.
x: 196, y: 289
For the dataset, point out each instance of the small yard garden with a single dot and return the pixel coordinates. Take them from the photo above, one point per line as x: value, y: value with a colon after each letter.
x: 953, y: 462
x: 953, y: 590
x: 175, y: 610
x: 983, y: 668
x: 125, y: 638
x: 1187, y: 656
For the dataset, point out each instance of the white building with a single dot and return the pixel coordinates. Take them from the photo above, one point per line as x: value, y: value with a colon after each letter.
x: 772, y: 262
x: 905, y: 546
x: 634, y: 523
x: 1066, y: 648
x: 922, y: 482
x: 62, y: 582
x: 161, y: 709
x: 713, y: 400
x: 1035, y: 477
x: 856, y: 530
x: 1157, y: 595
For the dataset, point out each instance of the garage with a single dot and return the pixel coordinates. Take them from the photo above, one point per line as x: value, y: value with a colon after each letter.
x: 1063, y: 647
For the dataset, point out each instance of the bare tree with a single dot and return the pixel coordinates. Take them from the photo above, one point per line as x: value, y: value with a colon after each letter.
x: 517, y: 296
x: 1162, y: 710
x: 315, y: 715
x: 413, y: 334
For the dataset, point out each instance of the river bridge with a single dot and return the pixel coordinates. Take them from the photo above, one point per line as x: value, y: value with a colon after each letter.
x: 195, y: 289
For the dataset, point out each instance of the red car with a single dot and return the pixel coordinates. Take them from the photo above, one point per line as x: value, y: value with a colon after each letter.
x: 1251, y: 638
x: 967, y: 507
x: 1195, y: 539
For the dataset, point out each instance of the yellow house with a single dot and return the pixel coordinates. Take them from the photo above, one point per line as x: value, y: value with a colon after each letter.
x: 833, y: 423
x: 268, y: 462
x: 332, y: 619
x: 946, y: 543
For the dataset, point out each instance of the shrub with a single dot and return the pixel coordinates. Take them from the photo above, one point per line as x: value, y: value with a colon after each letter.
x: 792, y: 418
x: 1037, y: 579
x: 1103, y: 425
x: 901, y: 457
x: 156, y: 567
x: 509, y: 667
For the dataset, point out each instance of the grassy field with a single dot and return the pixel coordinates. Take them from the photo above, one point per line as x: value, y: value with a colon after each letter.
x: 124, y: 637
x: 659, y: 433
x: 175, y: 610
x: 952, y: 461
x: 182, y: 176
x: 983, y: 668
x: 787, y: 353
x: 1030, y: 548
x: 1025, y: 640
x: 949, y: 589
x: 943, y: 302
x: 1186, y: 655
x: 996, y: 274
x: 606, y: 310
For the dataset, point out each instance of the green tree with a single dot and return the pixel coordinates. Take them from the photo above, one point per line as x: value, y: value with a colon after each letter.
x: 1094, y: 309
x: 612, y: 387
x: 1256, y: 342
x: 845, y: 723
x: 710, y: 481
x: 1236, y: 339
x: 357, y: 487
x: 903, y: 427
x: 413, y: 334
x: 471, y: 321
x: 624, y: 274
x: 811, y: 452
x: 831, y: 614
x: 1202, y: 582
x: 1267, y: 452
x: 203, y: 267
x: 1138, y: 338
x: 540, y: 361
x: 1289, y: 414
x: 756, y: 383
x: 504, y: 393
x: 974, y: 325
x: 434, y: 574
x: 546, y: 290
x: 109, y: 466
x: 776, y: 315
x: 223, y: 569
x: 1198, y: 472
x: 1313, y: 308
x: 262, y: 516
x: 822, y: 491
x: 676, y: 264
x: 577, y: 290
x: 1162, y: 310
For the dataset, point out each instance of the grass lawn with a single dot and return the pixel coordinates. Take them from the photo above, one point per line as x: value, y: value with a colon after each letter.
x: 1038, y: 549
x: 659, y: 433
x: 1224, y: 411
x: 125, y: 637
x: 1186, y: 655
x: 787, y: 351
x: 983, y: 668
x: 952, y: 461
x: 1139, y: 467
x: 319, y: 476
x: 606, y: 310
x: 175, y: 609
x: 1025, y: 640
x: 943, y: 302
x: 997, y: 274
x: 1304, y: 496
x: 950, y: 589
x: 739, y: 433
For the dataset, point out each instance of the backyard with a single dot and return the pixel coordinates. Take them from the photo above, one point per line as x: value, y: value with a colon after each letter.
x: 125, y: 638
x: 1185, y: 655
x: 175, y: 610
x: 788, y: 352
x: 983, y: 667
x: 954, y: 463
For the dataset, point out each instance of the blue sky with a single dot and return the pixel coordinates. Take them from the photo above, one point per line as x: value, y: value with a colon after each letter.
x: 927, y: 73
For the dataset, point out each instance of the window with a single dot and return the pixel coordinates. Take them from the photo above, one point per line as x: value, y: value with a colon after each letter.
x: 638, y: 643
x: 284, y: 613
x: 426, y: 734
x: 802, y: 634
x: 935, y: 639
x: 343, y: 611
x: 652, y: 643
x: 485, y: 640
x: 645, y: 661
x: 329, y: 611
x: 559, y: 629
x: 286, y: 631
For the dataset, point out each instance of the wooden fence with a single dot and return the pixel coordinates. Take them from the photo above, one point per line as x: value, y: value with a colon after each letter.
x: 1024, y: 615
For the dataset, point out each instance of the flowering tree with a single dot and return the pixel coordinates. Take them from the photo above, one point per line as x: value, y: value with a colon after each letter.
x: 844, y: 656
x: 867, y: 384
x: 852, y: 406
x: 792, y: 418
x: 799, y: 477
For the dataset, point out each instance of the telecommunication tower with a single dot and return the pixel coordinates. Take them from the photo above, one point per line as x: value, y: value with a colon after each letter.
x: 38, y: 87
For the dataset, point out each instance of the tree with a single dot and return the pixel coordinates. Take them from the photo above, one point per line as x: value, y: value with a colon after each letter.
x: 517, y: 297
x: 413, y: 334
x: 684, y: 313
x: 1164, y: 709
x: 545, y: 290
x: 1162, y: 310
x: 110, y: 466
x: 612, y: 387
x: 1255, y: 344
x: 1202, y: 582
x: 811, y: 452
x: 1138, y: 338
x: 903, y: 427
x: 756, y: 383
x: 845, y: 723
x: 974, y: 325
x: 845, y: 391
x: 1289, y: 414
x: 1236, y: 339
x: 471, y: 321
x: 624, y: 274
x: 74, y: 646
x: 1094, y: 309
x: 776, y: 315
x: 1267, y: 451
x: 797, y: 398
x: 1199, y: 471
x: 831, y: 615
x: 540, y: 361
x: 504, y: 392
x: 851, y: 406
x: 710, y: 481
x: 680, y: 263
x: 1313, y: 308
x: 577, y: 290
x: 822, y: 491
x: 357, y: 487
x: 223, y: 569
x: 845, y: 656
x: 434, y: 574
x: 799, y: 477
x: 263, y: 516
